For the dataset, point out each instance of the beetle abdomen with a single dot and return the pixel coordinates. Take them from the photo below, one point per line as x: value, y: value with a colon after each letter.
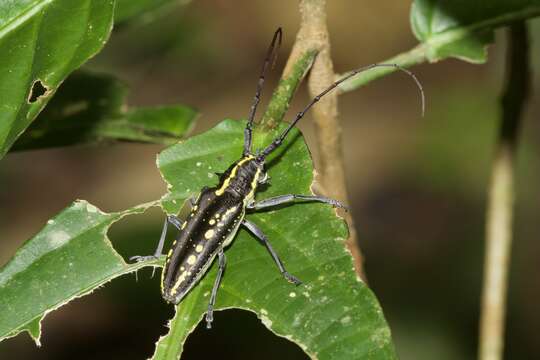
x: 212, y: 224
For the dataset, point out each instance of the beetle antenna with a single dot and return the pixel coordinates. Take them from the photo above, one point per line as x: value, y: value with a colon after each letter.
x: 271, y: 56
x: 277, y: 141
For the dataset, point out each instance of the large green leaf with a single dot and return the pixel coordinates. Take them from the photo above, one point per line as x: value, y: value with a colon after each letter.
x: 463, y: 28
x: 91, y: 108
x: 69, y: 258
x: 41, y: 42
x: 333, y: 315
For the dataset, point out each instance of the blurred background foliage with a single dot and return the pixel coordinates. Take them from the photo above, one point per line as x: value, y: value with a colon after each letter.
x: 417, y: 185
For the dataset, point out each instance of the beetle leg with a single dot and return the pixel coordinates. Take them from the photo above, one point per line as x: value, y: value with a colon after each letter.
x: 175, y: 220
x: 171, y: 219
x: 264, y: 240
x: 289, y: 198
x: 217, y: 282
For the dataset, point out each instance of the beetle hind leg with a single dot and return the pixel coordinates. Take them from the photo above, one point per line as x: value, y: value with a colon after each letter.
x: 217, y: 282
x: 291, y: 198
x: 264, y: 240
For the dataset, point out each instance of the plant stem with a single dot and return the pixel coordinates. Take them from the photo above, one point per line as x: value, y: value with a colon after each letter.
x: 312, y: 48
x: 427, y: 50
x: 296, y: 69
x: 414, y: 56
x: 313, y: 33
x: 501, y: 197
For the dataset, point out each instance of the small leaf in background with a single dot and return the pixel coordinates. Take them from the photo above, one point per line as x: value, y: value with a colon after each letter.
x: 41, y: 42
x: 462, y: 28
x: 91, y: 108
x: 69, y: 258
x: 332, y: 315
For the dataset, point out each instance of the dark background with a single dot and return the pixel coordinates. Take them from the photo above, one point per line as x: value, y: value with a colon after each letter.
x: 418, y: 185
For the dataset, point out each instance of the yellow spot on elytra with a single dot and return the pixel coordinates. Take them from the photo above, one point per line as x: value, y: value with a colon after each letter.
x: 174, y: 243
x: 212, y: 222
x: 184, y: 225
x: 191, y: 259
x: 199, y: 248
x: 230, y: 211
x: 209, y: 234
x: 195, y: 208
x: 182, y: 268
x: 169, y: 253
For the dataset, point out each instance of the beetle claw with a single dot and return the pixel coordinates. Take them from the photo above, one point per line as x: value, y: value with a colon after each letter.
x: 338, y: 204
x: 209, y: 319
x: 139, y: 258
x: 292, y: 279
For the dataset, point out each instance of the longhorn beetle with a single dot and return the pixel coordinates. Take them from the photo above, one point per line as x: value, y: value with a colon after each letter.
x: 219, y: 211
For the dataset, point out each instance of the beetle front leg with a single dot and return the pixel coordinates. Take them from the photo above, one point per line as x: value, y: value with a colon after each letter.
x: 264, y: 240
x: 289, y: 198
x: 217, y: 282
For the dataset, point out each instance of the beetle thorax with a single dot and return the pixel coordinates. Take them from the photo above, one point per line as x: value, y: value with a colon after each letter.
x: 242, y: 178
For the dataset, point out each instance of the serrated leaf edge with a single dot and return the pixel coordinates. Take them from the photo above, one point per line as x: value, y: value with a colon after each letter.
x: 128, y: 268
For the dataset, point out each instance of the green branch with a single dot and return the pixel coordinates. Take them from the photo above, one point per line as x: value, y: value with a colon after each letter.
x: 430, y: 49
x: 282, y: 96
x: 407, y: 59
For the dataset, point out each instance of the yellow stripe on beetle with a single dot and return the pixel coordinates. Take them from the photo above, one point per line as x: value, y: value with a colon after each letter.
x: 251, y: 195
x: 227, y: 181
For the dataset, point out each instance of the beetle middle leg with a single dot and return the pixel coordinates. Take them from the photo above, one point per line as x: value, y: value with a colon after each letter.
x: 290, y: 198
x: 217, y: 282
x: 170, y: 219
x: 264, y: 240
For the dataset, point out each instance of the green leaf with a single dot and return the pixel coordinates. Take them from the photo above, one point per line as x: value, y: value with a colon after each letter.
x: 69, y: 258
x: 333, y: 315
x: 41, y: 42
x: 456, y: 28
x: 130, y: 9
x: 92, y: 108
x: 462, y: 28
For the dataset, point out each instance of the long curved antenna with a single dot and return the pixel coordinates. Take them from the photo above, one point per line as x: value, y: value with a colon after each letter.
x: 301, y: 114
x: 271, y: 56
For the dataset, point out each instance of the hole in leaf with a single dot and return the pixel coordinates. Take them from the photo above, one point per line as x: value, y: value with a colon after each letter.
x: 238, y: 334
x: 38, y: 90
